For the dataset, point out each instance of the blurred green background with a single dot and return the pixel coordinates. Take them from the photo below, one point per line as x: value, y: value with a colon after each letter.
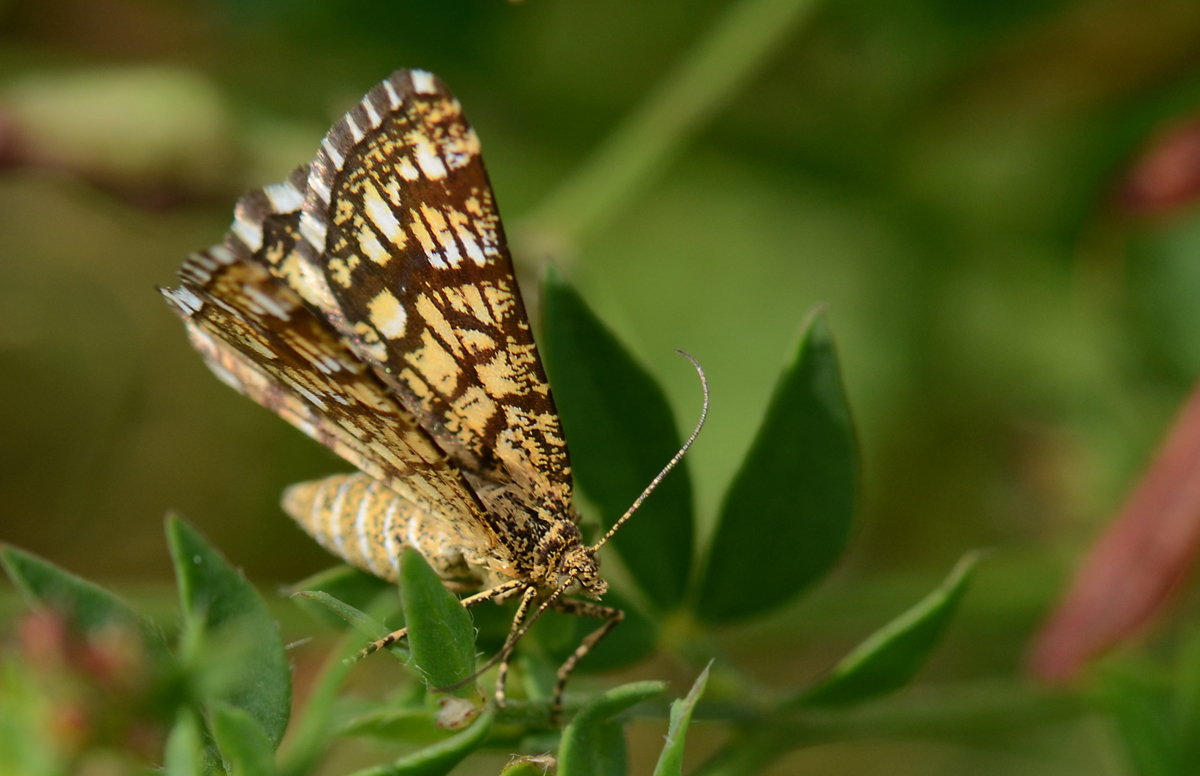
x: 950, y: 177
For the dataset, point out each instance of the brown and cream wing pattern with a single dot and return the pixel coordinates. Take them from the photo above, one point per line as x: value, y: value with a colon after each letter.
x: 258, y: 336
x: 403, y: 251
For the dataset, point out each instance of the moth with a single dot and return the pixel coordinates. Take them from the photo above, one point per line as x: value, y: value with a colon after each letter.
x: 370, y: 301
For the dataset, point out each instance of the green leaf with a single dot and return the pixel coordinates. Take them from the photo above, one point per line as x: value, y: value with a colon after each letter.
x: 345, y: 583
x: 440, y: 633
x: 88, y: 606
x: 229, y: 606
x: 1141, y: 707
x: 361, y: 621
x: 439, y: 758
x: 622, y: 433
x: 185, y: 754
x: 1187, y: 697
x: 243, y: 744
x: 670, y: 762
x: 787, y: 515
x: 594, y: 743
x: 313, y: 730
x: 410, y: 725
x: 892, y: 656
x: 531, y: 765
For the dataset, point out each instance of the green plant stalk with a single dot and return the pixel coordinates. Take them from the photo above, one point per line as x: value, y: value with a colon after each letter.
x: 980, y: 712
x: 312, y: 732
x: 702, y: 82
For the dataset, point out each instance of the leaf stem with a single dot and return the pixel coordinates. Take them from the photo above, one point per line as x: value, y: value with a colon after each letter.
x: 702, y: 82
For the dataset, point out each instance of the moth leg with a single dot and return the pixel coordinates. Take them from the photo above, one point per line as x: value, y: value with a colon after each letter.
x: 581, y: 609
x: 499, y: 592
x: 522, y: 610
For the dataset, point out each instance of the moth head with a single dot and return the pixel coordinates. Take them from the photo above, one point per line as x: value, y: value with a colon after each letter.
x: 579, y: 571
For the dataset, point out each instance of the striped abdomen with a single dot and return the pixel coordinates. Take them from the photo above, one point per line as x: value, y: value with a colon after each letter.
x: 362, y: 521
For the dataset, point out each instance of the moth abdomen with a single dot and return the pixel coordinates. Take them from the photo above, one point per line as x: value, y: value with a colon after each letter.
x: 367, y: 524
x: 356, y: 517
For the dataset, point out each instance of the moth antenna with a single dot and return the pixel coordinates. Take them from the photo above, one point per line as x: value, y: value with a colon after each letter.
x: 673, y: 462
x: 509, y: 645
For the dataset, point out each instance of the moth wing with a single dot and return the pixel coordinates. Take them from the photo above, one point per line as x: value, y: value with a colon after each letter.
x: 258, y: 336
x: 403, y: 251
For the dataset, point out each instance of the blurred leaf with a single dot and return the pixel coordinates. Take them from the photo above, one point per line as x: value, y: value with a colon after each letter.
x: 212, y: 590
x: 1187, y: 700
x: 185, y: 754
x: 558, y: 635
x: 439, y: 758
x: 622, y: 433
x: 1141, y: 707
x: 892, y: 656
x: 440, y: 632
x: 410, y: 725
x: 594, y: 743
x: 243, y: 744
x: 787, y: 516
x: 345, y: 583
x: 143, y: 125
x: 362, y: 622
x: 89, y: 606
x: 313, y: 730
x: 670, y: 762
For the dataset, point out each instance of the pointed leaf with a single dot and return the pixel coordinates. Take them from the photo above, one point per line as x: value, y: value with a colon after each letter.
x: 227, y: 604
x: 892, y: 656
x: 440, y: 758
x: 243, y: 744
x: 594, y: 743
x: 622, y: 433
x: 361, y: 621
x: 787, y: 515
x: 670, y: 762
x: 345, y: 583
x: 440, y: 633
x: 89, y: 606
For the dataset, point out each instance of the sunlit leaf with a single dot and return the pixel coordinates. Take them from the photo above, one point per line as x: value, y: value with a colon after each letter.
x: 892, y: 656
x: 670, y: 762
x: 622, y: 433
x: 786, y: 518
x: 440, y: 758
x: 226, y: 604
x: 243, y: 744
x: 440, y: 633
x: 593, y: 744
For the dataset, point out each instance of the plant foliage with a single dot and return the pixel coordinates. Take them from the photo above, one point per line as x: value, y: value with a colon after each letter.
x: 784, y: 523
